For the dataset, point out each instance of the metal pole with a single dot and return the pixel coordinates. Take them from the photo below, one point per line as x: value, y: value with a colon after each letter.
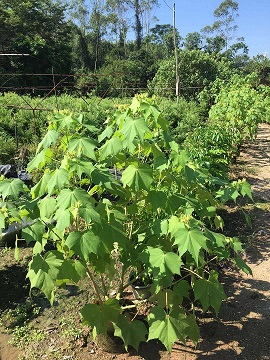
x: 177, y: 80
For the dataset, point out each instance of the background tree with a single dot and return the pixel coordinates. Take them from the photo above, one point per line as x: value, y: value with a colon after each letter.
x: 197, y: 71
x: 260, y: 65
x: 137, y: 24
x: 119, y: 25
x: 193, y: 41
x: 160, y: 40
x: 79, y: 15
x: 225, y: 25
x: 38, y: 28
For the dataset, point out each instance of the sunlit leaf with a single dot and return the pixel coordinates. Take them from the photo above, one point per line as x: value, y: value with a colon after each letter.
x: 42, y: 186
x: 137, y: 177
x: 34, y: 232
x: 83, y: 146
x: 63, y: 218
x: 40, y: 160
x: 11, y: 188
x: 68, y: 197
x: 163, y: 264
x: 47, y: 207
x: 83, y: 243
x: 191, y: 240
x: 58, y: 179
x: 43, y: 272
x: 111, y: 147
x: 134, y: 127
x: 49, y: 139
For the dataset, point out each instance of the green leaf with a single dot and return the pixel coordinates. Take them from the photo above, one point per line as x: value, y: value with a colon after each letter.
x: 40, y: 160
x: 163, y: 264
x: 166, y: 327
x: 64, y: 121
x: 105, y: 180
x: 228, y: 193
x: 151, y: 110
x: 68, y: 198
x: 11, y: 188
x: 210, y: 292
x: 106, y: 133
x: 181, y: 290
x: 34, y: 232
x: 46, y: 208
x: 68, y: 271
x: 216, y: 238
x: 111, y: 233
x: 89, y: 214
x: 58, y: 180
x: 132, y: 128
x: 43, y: 272
x: 111, y: 148
x: 41, y: 187
x: 83, y: 146
x: 132, y: 333
x: 242, y: 265
x: 192, y: 331
x: 63, y: 218
x: 245, y: 189
x: 83, y: 243
x: 157, y: 199
x: 191, y: 240
x: 49, y: 139
x: 2, y: 222
x: 80, y: 268
x: 137, y: 177
x: 80, y: 167
x: 99, y: 316
x: 164, y: 298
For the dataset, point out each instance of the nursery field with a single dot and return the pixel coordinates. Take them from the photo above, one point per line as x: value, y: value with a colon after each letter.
x: 134, y: 185
x: 31, y: 329
x: 126, y: 195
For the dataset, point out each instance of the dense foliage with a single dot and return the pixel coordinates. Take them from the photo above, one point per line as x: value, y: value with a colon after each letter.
x: 197, y: 70
x: 234, y: 117
x: 154, y: 213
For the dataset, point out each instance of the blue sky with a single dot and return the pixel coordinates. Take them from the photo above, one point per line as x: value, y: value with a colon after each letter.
x: 192, y: 15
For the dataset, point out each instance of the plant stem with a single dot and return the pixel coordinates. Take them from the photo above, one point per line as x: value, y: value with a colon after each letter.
x: 103, y: 286
x: 89, y: 274
x: 193, y: 272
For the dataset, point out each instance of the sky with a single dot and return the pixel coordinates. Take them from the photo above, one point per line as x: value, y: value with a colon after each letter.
x: 192, y: 15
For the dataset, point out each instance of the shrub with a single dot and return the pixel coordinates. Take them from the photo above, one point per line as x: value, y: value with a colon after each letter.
x: 155, y: 212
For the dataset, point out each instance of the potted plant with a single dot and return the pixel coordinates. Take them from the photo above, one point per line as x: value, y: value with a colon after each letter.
x: 141, y: 282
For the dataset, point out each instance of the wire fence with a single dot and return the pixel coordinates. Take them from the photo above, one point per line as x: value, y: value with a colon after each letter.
x: 78, y: 84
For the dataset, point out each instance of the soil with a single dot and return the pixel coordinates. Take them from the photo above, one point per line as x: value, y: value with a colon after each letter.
x: 241, y: 330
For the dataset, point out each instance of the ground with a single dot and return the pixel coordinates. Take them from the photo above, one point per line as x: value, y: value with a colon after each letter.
x: 241, y: 330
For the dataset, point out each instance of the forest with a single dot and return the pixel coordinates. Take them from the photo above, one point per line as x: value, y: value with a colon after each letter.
x: 117, y: 44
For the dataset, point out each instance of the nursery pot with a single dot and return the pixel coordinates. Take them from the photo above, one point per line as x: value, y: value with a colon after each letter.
x: 141, y: 292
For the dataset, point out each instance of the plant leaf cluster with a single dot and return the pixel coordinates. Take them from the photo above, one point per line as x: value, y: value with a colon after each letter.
x: 130, y: 200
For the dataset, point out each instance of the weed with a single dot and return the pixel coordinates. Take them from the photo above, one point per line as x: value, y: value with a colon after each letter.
x: 22, y: 336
